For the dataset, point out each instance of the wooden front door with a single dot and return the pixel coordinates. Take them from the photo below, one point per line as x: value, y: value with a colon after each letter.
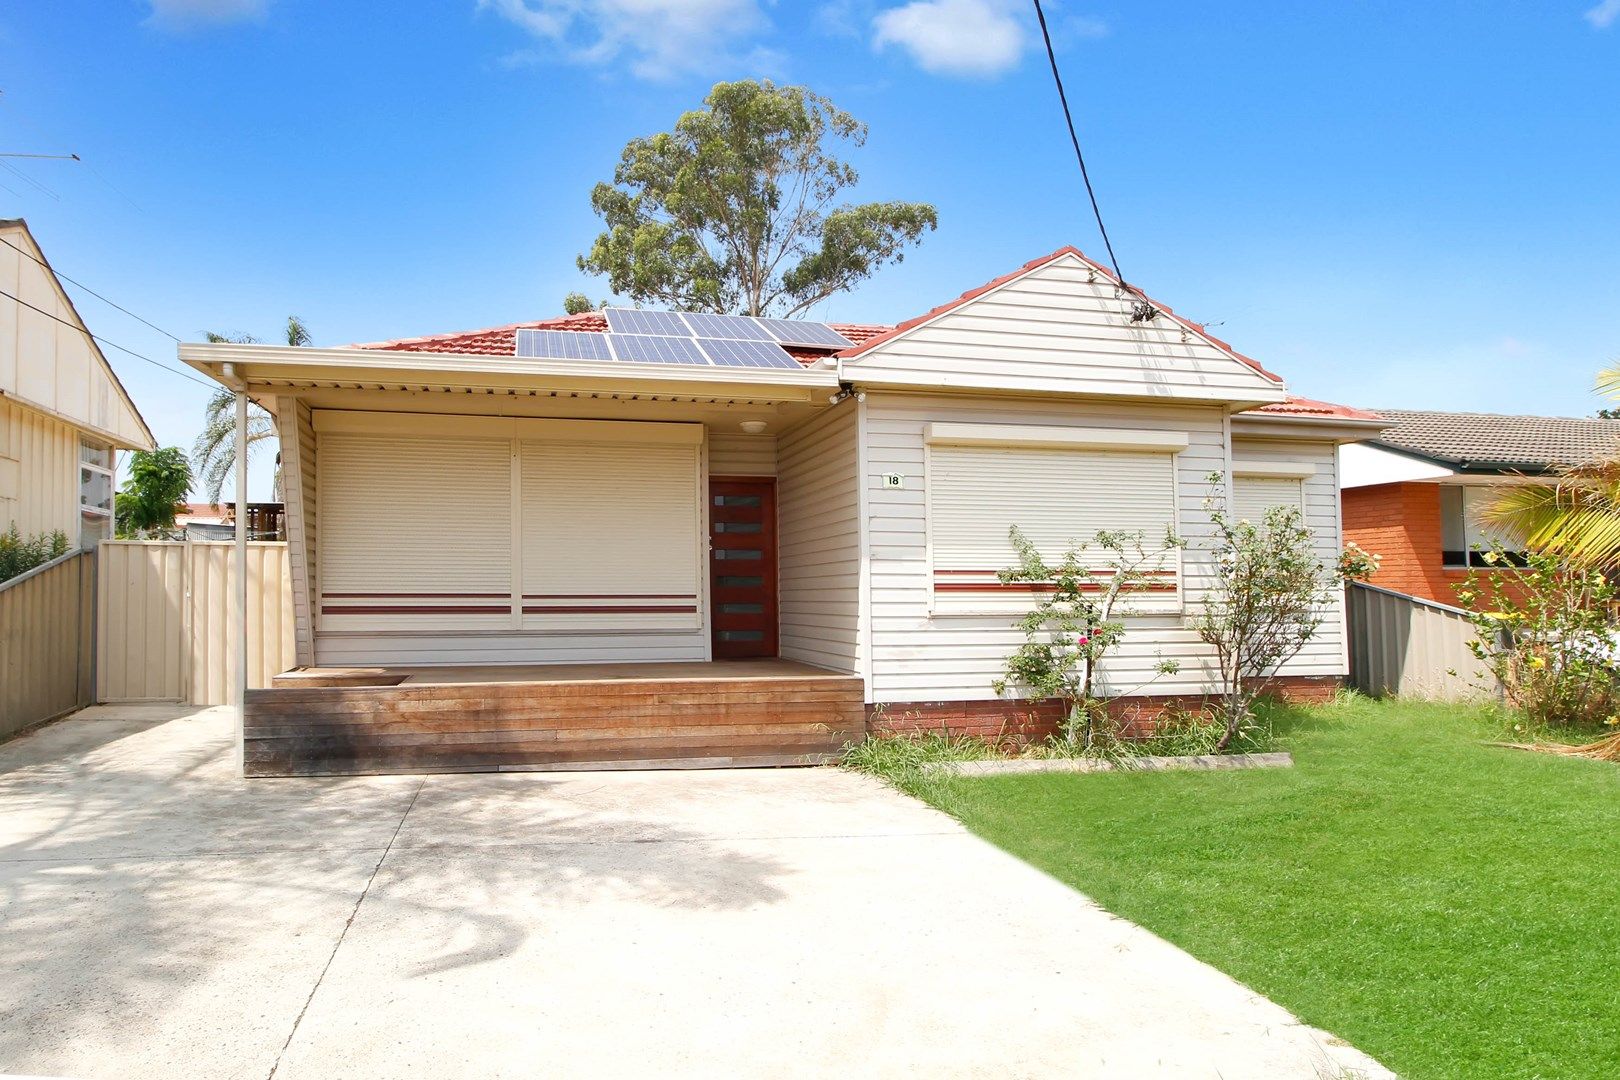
x: 742, y: 567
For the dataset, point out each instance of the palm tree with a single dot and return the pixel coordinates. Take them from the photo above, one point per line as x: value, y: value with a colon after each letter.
x: 214, y: 453
x: 1577, y: 517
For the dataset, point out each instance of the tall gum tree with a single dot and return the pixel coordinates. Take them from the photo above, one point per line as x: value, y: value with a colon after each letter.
x: 738, y: 211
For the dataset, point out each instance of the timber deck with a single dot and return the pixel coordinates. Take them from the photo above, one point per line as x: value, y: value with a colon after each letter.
x: 723, y: 714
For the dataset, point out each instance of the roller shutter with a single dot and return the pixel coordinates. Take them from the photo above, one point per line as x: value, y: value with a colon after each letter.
x: 1057, y: 497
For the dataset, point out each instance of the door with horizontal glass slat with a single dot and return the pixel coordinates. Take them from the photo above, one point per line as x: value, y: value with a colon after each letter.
x: 742, y: 568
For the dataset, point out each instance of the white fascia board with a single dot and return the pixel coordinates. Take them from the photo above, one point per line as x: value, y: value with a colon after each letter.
x: 888, y: 379
x: 1363, y: 465
x: 350, y: 365
x: 1051, y: 436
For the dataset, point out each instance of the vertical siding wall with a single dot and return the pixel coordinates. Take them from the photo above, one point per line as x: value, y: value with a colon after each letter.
x: 165, y: 627
x: 1324, y: 654
x: 819, y: 528
x: 1403, y: 645
x: 46, y: 618
x: 39, y: 472
x: 297, y: 433
x: 742, y: 455
x: 920, y: 657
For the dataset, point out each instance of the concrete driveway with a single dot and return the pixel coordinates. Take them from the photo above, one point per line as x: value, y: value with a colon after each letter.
x: 160, y: 917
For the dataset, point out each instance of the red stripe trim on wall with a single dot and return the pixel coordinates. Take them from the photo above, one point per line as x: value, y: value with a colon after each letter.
x: 607, y: 609
x: 997, y: 587
x: 414, y: 595
x: 610, y: 596
x: 416, y: 609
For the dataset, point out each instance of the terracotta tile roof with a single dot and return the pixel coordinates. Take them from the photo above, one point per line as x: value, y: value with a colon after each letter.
x: 1306, y: 407
x: 502, y: 340
x: 1493, y: 441
x: 1036, y: 264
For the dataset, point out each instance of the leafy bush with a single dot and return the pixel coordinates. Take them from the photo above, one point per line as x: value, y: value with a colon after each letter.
x: 20, y: 554
x: 1546, y: 632
x: 1076, y: 623
x: 1268, y: 601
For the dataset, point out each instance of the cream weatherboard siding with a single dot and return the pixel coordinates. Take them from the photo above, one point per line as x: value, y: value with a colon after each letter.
x: 47, y: 361
x: 39, y: 472
x: 819, y: 540
x: 919, y: 654
x: 471, y: 540
x: 742, y: 455
x: 1061, y: 328
x: 1253, y: 459
x: 297, y: 433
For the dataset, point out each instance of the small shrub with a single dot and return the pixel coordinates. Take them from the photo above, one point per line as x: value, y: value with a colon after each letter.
x: 900, y: 759
x: 20, y: 554
x: 1545, y: 632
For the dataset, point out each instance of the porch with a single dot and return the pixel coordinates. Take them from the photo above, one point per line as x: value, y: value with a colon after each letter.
x: 553, y: 717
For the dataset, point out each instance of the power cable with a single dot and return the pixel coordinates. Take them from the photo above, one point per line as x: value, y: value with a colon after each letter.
x: 109, y: 344
x: 86, y: 288
x: 1074, y: 138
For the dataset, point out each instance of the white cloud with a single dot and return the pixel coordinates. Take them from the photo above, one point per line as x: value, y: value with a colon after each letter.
x: 655, y: 39
x: 956, y: 37
x: 1604, y: 14
x: 177, y: 14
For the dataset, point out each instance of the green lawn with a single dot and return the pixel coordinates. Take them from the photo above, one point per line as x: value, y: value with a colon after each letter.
x: 1451, y: 908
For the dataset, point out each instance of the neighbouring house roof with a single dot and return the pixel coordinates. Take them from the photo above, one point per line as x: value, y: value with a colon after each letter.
x: 1488, y: 442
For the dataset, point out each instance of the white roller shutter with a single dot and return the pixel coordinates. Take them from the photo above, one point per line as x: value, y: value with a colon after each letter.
x: 1057, y: 497
x: 611, y: 535
x: 1253, y: 496
x: 415, y: 531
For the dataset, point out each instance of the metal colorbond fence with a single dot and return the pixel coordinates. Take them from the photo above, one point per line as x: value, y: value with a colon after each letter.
x: 1404, y: 645
x: 46, y: 620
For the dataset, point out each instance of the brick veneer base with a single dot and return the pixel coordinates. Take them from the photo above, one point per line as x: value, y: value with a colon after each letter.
x: 1017, y: 721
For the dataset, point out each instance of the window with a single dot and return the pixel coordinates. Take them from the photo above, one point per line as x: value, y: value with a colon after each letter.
x: 1253, y: 496
x: 95, y: 493
x: 1057, y: 497
x: 1464, y: 538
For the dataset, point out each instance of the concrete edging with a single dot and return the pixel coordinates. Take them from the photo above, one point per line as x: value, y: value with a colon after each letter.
x: 1001, y: 767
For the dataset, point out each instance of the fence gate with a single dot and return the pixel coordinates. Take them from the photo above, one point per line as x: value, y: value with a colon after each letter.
x: 164, y: 625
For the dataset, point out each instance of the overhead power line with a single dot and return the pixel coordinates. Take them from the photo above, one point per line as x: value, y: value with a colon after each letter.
x: 1075, y: 139
x: 109, y: 344
x: 86, y: 288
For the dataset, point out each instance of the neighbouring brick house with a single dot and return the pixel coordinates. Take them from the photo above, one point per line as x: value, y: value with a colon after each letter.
x: 1413, y: 492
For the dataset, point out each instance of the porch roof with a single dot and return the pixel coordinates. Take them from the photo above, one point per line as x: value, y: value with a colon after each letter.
x: 278, y: 366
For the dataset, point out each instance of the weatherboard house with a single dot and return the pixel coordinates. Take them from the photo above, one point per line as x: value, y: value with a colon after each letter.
x: 646, y: 539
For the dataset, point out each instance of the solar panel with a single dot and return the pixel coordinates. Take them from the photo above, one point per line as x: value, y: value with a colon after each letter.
x: 795, y: 332
x: 754, y: 354
x: 635, y: 321
x: 727, y: 327
x: 562, y: 345
x: 655, y: 349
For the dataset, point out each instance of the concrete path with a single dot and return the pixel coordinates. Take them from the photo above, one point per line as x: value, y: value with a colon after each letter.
x: 161, y: 918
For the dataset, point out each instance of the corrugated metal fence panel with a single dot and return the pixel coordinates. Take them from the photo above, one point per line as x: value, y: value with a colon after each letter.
x: 166, y: 631
x: 140, y: 623
x: 1402, y: 645
x: 45, y: 622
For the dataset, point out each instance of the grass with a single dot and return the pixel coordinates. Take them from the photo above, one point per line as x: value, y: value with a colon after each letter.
x: 1450, y: 907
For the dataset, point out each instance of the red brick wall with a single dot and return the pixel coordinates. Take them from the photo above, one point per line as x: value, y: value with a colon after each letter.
x: 1013, y: 721
x: 1401, y: 522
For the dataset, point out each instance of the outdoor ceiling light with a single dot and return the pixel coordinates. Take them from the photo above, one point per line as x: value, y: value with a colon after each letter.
x: 753, y: 427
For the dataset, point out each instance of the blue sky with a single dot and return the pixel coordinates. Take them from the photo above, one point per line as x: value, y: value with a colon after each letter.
x: 1387, y: 203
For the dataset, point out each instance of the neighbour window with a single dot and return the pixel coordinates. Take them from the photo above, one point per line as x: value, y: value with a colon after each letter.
x: 1253, y: 496
x: 95, y: 493
x: 1057, y: 497
x: 1464, y: 539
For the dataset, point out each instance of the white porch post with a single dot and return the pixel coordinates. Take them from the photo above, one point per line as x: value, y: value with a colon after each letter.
x: 241, y: 574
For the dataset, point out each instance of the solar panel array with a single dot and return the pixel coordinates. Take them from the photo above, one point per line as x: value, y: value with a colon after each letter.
x: 672, y: 337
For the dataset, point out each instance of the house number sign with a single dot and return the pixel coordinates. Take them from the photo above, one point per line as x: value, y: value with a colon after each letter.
x: 893, y: 480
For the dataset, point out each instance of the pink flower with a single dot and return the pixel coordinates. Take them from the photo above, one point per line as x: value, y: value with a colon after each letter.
x: 1083, y: 640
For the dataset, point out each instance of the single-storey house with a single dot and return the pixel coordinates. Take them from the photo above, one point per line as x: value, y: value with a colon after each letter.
x: 63, y: 412
x: 1413, y: 492
x: 708, y: 539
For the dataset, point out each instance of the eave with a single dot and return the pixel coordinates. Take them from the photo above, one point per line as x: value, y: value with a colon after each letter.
x: 281, y: 365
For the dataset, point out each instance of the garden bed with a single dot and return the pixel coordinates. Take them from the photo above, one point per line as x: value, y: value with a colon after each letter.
x: 1152, y: 763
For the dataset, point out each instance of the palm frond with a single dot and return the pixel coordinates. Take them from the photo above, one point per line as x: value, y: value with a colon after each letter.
x: 1576, y: 517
